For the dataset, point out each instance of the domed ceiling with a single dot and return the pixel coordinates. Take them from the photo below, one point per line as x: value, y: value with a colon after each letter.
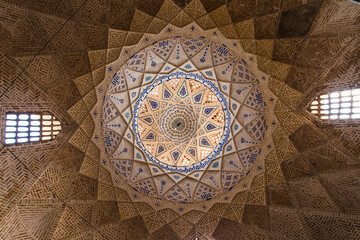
x: 197, y: 119
x: 106, y: 70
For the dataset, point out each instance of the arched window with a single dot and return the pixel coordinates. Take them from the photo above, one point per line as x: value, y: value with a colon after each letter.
x: 337, y: 105
x: 30, y: 127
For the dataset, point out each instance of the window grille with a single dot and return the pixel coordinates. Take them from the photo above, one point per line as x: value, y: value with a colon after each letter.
x: 337, y: 105
x: 30, y: 127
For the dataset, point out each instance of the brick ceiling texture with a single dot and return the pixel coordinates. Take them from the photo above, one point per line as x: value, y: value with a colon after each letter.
x: 54, y: 56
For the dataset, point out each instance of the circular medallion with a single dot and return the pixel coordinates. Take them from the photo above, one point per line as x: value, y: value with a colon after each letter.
x: 178, y: 124
x: 181, y: 122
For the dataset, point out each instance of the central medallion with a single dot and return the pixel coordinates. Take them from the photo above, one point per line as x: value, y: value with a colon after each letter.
x: 181, y: 122
x: 178, y: 124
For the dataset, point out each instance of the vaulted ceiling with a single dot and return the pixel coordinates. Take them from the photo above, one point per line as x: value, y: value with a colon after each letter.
x: 54, y: 56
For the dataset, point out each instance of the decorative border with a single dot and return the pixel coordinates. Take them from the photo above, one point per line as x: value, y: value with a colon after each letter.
x: 218, y: 148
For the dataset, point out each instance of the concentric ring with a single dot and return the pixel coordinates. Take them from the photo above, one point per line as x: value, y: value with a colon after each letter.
x: 138, y: 111
x: 203, y: 111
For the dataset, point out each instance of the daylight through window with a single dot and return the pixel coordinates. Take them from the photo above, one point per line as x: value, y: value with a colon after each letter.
x: 337, y: 105
x: 30, y: 127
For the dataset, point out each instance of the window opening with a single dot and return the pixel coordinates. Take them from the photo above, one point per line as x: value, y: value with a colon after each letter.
x: 337, y: 105
x: 30, y: 127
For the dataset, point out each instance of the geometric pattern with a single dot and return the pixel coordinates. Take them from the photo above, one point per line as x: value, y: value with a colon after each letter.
x: 255, y: 128
x: 209, y: 141
x: 304, y: 46
x: 178, y: 131
x: 177, y: 122
x: 255, y: 99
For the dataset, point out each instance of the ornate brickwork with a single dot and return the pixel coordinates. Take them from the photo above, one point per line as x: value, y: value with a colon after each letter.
x: 66, y: 56
x: 181, y: 120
